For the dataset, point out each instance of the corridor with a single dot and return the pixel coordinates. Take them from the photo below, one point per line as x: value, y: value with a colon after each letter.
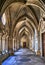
x: 24, y: 56
x: 22, y: 32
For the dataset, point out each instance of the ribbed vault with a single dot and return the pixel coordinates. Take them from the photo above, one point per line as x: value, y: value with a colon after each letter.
x: 4, y: 4
x: 23, y: 23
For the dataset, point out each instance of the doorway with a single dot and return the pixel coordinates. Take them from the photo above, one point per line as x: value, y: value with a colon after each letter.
x: 24, y: 44
x: 43, y: 44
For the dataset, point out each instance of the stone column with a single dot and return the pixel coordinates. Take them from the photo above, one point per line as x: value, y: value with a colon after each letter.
x: 36, y: 41
x: 41, y: 43
x: 33, y: 42
x: 7, y: 43
x: 38, y: 52
x: 15, y: 44
x: 19, y: 43
x: 10, y: 45
x: 3, y: 43
x: 0, y: 43
x: 30, y: 44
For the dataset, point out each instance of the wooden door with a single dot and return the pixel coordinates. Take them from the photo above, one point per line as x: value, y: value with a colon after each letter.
x: 43, y: 44
x: 24, y: 44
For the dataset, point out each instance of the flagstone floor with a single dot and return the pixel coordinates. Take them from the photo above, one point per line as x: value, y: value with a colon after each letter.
x: 24, y: 57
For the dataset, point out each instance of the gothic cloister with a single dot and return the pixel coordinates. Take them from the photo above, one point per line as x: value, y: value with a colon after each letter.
x: 22, y: 32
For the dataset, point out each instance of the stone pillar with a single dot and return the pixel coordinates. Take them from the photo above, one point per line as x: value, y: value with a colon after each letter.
x: 10, y: 46
x: 30, y: 44
x: 41, y: 43
x: 0, y: 47
x: 15, y: 44
x: 6, y: 43
x: 33, y: 43
x: 19, y: 43
x: 38, y: 52
x: 0, y: 43
x: 36, y: 41
x: 3, y: 43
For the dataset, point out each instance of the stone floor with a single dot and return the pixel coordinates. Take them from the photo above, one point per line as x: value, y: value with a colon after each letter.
x: 24, y: 57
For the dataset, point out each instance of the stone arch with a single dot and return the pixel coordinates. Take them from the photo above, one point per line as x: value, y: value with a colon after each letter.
x: 8, y: 2
x: 28, y: 18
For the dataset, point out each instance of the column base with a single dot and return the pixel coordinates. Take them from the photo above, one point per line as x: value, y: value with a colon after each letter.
x: 38, y: 53
x: 11, y: 52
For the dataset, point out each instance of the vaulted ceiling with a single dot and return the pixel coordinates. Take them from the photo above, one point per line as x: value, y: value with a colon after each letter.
x: 22, y: 16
